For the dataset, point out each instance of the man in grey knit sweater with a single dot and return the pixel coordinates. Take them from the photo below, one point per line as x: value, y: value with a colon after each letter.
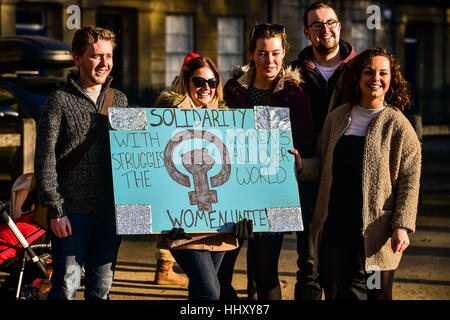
x: 80, y: 204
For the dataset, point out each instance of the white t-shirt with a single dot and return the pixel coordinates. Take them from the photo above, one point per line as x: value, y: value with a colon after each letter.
x: 93, y: 94
x: 360, y: 118
x: 326, y: 72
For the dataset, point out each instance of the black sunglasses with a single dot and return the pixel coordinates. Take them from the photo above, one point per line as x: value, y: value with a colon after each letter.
x: 200, y: 82
x: 261, y: 28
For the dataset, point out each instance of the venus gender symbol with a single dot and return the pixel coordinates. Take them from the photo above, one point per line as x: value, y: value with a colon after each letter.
x: 198, y: 162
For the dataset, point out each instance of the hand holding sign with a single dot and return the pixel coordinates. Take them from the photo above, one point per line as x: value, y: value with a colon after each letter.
x: 298, y: 159
x: 178, y: 234
x: 243, y: 230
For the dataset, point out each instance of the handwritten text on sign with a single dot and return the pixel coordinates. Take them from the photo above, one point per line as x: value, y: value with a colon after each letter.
x: 201, y: 169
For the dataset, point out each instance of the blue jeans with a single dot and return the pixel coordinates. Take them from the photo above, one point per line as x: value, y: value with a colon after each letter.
x: 94, y: 245
x: 201, y: 267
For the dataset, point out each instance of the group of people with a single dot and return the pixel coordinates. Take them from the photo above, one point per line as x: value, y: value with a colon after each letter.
x: 357, y: 159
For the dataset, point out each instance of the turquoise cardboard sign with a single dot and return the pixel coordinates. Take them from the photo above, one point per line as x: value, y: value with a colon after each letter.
x: 203, y: 169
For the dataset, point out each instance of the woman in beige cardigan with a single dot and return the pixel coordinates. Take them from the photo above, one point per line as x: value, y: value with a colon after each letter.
x: 368, y: 163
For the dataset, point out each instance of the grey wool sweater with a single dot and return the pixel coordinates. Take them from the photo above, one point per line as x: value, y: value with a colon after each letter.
x: 66, y: 118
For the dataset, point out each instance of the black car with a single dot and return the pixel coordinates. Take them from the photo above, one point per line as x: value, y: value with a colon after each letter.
x: 31, y: 67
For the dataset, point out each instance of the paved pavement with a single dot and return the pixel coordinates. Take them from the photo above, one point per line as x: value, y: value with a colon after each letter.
x: 424, y: 273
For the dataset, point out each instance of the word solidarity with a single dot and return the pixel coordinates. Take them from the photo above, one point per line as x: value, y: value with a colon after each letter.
x: 190, y: 118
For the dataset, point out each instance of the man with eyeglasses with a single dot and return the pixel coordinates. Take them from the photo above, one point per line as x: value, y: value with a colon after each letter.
x: 322, y: 67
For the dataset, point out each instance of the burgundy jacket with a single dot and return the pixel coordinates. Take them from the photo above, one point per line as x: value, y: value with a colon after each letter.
x: 286, y: 93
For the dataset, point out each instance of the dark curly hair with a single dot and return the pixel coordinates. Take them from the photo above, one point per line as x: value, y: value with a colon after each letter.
x: 398, y: 94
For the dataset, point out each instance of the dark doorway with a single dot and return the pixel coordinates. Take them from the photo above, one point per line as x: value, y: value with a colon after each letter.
x: 412, y: 68
x: 425, y: 69
x: 114, y: 22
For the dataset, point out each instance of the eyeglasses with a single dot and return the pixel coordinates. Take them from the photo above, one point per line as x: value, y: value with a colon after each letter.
x: 261, y: 28
x: 317, y: 26
x: 200, y: 82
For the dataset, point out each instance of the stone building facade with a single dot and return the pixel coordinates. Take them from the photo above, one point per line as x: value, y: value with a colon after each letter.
x: 154, y: 35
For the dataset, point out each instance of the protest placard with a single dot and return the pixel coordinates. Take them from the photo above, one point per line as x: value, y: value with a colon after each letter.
x: 203, y: 169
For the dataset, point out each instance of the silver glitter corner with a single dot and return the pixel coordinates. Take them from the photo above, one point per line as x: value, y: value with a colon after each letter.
x: 272, y: 118
x: 128, y: 118
x: 133, y: 219
x: 285, y: 219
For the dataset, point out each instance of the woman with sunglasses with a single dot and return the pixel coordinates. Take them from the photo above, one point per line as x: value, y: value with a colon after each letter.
x: 198, y: 254
x: 368, y: 163
x: 265, y: 81
x: 198, y: 86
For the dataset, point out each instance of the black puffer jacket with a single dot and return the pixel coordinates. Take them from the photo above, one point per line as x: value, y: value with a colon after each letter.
x: 323, y: 96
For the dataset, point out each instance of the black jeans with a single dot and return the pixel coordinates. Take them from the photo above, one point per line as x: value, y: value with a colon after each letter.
x: 342, y: 273
x: 226, y: 271
x: 308, y: 285
x: 343, y: 276
x: 263, y: 253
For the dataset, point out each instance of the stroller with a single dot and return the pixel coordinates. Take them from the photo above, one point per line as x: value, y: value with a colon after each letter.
x: 25, y: 250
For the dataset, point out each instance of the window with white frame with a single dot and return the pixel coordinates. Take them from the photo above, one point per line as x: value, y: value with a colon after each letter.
x: 231, y: 42
x: 179, y: 43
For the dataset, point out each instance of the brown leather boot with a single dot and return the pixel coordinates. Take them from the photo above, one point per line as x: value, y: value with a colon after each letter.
x: 165, y: 275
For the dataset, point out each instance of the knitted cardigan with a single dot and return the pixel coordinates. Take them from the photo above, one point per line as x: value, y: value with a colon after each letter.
x: 66, y: 118
x: 391, y: 179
